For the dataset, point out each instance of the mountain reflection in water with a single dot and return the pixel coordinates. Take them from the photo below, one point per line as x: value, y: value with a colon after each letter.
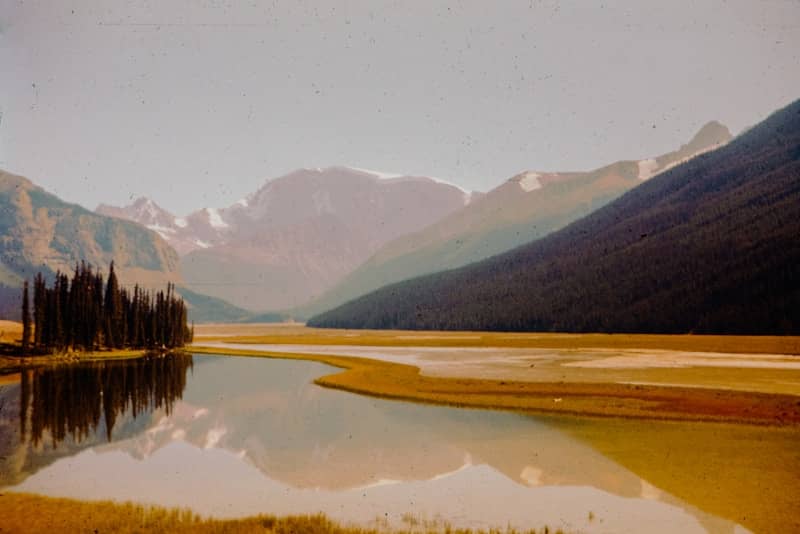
x: 268, y: 440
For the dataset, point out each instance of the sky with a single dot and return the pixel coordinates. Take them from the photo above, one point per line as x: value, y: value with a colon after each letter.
x: 198, y: 103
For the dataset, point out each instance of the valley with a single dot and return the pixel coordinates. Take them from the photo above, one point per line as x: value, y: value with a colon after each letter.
x: 400, y: 267
x: 557, y: 432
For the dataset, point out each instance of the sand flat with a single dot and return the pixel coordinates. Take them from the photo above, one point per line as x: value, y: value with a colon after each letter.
x: 766, y: 373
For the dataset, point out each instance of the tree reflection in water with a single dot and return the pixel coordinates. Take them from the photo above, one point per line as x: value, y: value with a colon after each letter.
x: 69, y: 400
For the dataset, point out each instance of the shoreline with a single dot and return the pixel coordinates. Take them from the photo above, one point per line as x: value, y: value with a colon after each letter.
x: 404, y: 382
x: 267, y: 333
x: 14, y: 364
x: 567, y: 395
x: 39, y: 513
x: 635, y: 425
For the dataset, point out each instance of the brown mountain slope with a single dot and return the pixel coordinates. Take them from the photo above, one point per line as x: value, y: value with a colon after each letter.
x: 40, y: 232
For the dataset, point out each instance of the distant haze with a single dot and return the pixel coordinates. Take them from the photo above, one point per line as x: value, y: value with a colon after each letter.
x: 197, y: 103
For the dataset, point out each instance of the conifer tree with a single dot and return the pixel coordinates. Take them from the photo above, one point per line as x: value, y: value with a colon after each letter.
x: 38, y: 308
x: 26, y: 319
x: 113, y: 310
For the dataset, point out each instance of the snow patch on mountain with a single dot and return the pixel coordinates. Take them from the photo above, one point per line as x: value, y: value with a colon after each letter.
x: 295, y: 203
x: 391, y: 176
x: 379, y: 174
x: 148, y: 206
x: 215, y: 219
x: 163, y: 231
x: 213, y: 436
x: 530, y: 181
x: 647, y: 168
x: 451, y: 184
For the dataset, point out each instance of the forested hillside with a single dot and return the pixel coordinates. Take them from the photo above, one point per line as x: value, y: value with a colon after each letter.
x: 712, y: 245
x: 40, y: 232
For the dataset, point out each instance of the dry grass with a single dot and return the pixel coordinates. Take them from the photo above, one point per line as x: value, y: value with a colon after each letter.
x: 404, y: 382
x: 25, y: 513
x: 575, y: 397
x: 10, y: 332
x: 11, y: 363
x: 579, y: 395
x: 298, y: 334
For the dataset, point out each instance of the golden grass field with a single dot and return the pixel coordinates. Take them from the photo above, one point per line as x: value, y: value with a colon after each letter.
x: 8, y: 364
x: 10, y: 331
x: 574, y: 391
x: 302, y: 335
x: 404, y: 382
x: 34, y: 514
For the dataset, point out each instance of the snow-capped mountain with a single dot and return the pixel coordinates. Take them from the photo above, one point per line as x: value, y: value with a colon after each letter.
x: 201, y: 229
x: 142, y: 210
x: 298, y: 234
x: 525, y: 207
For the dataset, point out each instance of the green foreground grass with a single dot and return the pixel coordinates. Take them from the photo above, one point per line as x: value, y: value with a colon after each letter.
x: 26, y: 513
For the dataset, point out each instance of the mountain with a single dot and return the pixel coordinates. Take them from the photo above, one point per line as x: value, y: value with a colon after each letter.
x: 298, y: 234
x: 205, y: 309
x: 526, y: 207
x: 201, y: 229
x: 40, y: 232
x: 710, y: 245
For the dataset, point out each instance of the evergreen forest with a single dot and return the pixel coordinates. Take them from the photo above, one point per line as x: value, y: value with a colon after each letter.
x: 89, y: 313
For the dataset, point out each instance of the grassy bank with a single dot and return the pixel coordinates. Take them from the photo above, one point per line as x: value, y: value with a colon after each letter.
x: 559, y: 395
x: 11, y: 334
x: 301, y: 335
x: 25, y: 513
x: 404, y: 382
x: 9, y: 364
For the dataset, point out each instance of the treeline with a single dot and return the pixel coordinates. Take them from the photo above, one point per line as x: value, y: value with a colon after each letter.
x: 711, y: 246
x: 88, y: 313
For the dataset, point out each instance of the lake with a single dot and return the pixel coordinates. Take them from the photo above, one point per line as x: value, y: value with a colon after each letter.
x: 233, y: 436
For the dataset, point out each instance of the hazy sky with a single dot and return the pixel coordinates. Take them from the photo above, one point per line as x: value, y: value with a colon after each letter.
x: 197, y: 103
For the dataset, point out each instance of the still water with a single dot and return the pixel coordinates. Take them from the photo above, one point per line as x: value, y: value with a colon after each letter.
x: 230, y: 436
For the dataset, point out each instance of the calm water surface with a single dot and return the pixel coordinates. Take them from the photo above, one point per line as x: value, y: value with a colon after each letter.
x: 231, y: 436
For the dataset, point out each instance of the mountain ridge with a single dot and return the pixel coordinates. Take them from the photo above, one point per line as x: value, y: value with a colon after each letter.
x: 297, y: 234
x: 40, y: 232
x: 709, y: 246
x: 525, y: 207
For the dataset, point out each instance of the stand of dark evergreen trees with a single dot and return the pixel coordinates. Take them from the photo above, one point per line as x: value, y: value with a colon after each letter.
x: 88, y: 313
